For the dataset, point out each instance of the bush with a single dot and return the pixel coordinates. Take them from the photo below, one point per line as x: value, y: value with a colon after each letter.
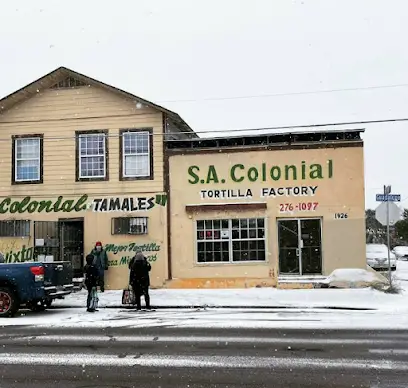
x: 387, y: 288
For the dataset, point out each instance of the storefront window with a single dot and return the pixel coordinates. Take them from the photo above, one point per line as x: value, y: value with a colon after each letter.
x: 231, y: 240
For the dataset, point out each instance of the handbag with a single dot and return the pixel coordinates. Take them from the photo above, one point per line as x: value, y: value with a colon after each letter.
x: 128, y: 297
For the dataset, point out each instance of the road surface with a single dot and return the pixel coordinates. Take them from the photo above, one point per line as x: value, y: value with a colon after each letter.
x: 197, y: 358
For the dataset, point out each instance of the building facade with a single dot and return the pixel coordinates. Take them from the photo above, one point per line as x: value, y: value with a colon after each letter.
x: 254, y: 210
x: 81, y: 162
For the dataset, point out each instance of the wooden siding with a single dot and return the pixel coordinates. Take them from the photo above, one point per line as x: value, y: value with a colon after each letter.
x: 57, y: 114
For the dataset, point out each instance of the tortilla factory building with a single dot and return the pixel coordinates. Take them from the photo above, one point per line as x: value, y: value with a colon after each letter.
x: 82, y: 161
x: 256, y: 210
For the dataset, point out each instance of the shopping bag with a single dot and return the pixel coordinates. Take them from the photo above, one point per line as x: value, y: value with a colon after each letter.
x: 94, y: 299
x: 128, y: 297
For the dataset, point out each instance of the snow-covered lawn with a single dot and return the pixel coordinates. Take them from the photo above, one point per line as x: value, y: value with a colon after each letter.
x: 256, y: 307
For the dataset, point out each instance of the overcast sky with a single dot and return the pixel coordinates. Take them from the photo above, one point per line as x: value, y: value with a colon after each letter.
x: 191, y: 56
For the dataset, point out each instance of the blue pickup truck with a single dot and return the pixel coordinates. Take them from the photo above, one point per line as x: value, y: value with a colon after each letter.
x: 33, y: 285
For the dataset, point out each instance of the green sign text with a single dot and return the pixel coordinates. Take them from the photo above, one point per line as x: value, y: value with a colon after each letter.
x: 261, y: 173
x: 31, y: 206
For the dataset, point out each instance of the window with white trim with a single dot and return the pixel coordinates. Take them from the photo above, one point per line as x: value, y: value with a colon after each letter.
x: 231, y: 240
x: 92, y: 155
x: 136, y: 154
x: 129, y: 225
x: 27, y: 159
x: 15, y: 228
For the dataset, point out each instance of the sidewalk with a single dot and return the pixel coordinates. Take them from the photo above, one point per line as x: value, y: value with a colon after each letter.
x: 352, y: 299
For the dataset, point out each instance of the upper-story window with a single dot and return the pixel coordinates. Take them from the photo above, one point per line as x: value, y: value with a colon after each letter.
x: 27, y: 164
x: 136, y: 154
x: 92, y: 155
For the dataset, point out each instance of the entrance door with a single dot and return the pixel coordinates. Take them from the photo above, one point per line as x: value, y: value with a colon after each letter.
x: 300, y: 246
x: 72, y: 243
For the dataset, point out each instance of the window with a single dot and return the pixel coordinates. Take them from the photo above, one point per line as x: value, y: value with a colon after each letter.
x: 69, y: 82
x: 15, y: 228
x: 136, y: 154
x: 92, y: 154
x: 27, y: 159
x: 231, y: 241
x: 129, y: 225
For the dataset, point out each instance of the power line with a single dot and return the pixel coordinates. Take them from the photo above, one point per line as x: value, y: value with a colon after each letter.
x: 239, y: 130
x: 285, y: 94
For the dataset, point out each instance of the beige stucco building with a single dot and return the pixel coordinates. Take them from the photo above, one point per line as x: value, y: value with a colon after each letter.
x: 253, y: 210
x: 82, y: 161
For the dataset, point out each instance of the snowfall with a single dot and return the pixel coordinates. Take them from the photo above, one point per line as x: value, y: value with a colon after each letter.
x: 353, y: 308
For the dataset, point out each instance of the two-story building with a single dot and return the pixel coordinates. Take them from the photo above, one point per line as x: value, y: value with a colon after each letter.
x: 82, y: 161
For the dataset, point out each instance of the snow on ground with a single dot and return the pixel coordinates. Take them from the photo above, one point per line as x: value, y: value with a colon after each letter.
x: 252, y: 297
x: 262, y: 297
x: 255, y: 307
x: 215, y: 318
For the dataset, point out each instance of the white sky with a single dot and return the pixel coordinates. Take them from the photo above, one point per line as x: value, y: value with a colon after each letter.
x: 177, y: 50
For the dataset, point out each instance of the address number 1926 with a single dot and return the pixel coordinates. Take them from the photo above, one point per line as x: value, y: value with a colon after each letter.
x: 340, y: 216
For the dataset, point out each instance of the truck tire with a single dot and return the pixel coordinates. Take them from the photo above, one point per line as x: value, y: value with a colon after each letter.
x: 9, y: 304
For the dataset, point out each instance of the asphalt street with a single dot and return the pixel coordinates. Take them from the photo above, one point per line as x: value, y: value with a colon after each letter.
x: 179, y: 357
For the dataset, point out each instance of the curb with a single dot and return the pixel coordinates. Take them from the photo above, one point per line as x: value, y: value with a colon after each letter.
x: 129, y: 307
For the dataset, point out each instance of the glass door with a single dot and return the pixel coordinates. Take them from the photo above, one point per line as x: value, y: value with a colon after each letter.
x: 311, y: 246
x: 300, y: 246
x: 289, y: 252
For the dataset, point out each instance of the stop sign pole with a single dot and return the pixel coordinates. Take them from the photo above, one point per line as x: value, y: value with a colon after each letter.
x: 387, y: 197
x: 387, y: 190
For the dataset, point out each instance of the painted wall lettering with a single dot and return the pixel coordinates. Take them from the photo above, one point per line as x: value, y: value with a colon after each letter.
x: 127, y: 251
x: 298, y: 207
x: 29, y: 205
x: 218, y: 194
x: 19, y: 255
x: 302, y: 191
x: 61, y: 204
x: 261, y: 173
x: 266, y: 192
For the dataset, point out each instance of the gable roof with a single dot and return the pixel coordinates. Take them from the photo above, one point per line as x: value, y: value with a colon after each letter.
x: 62, y: 73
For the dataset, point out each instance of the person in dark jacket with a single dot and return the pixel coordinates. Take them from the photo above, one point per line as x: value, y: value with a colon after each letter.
x: 140, y: 279
x: 91, y: 280
x: 100, y: 262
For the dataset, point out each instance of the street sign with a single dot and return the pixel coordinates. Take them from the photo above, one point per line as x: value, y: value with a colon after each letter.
x: 395, y: 213
x: 388, y: 197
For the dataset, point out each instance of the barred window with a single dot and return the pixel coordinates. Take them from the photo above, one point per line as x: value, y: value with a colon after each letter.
x: 231, y: 241
x: 129, y: 225
x: 15, y: 228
